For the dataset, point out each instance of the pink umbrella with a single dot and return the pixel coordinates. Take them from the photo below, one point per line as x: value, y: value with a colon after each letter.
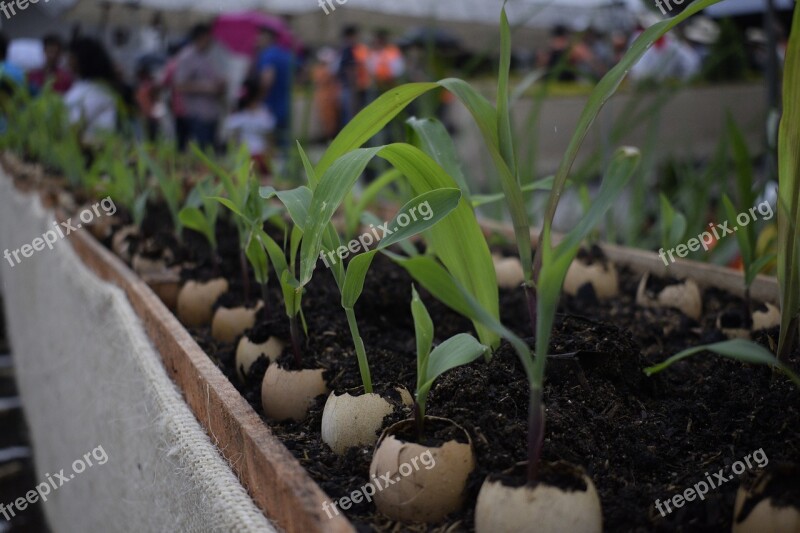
x: 239, y: 31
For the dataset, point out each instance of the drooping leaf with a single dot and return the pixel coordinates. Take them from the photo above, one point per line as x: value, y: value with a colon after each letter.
x: 736, y: 349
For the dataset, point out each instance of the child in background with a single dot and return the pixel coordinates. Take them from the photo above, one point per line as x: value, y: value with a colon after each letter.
x: 252, y: 125
x: 147, y: 94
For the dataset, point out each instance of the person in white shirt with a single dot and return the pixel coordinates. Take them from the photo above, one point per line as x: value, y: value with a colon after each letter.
x: 252, y: 125
x: 92, y: 100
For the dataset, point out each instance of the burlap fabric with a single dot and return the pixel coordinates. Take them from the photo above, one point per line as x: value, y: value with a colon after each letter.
x: 89, y: 377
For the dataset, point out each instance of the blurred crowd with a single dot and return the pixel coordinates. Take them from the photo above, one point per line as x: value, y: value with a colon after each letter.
x: 701, y: 47
x: 183, y: 91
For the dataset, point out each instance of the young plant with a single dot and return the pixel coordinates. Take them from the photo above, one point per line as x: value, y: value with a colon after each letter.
x: 788, y: 233
x: 203, y: 221
x: 128, y: 187
x: 456, y: 351
x: 673, y: 224
x: 312, y: 212
x: 170, y: 185
x: 242, y: 198
x: 745, y: 235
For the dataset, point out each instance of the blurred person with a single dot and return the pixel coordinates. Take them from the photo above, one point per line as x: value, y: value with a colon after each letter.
x: 9, y: 71
x: 93, y: 98
x: 274, y: 67
x: 53, y: 69
x: 385, y: 62
x: 701, y: 33
x: 326, y: 91
x: 593, y: 55
x: 146, y: 95
x: 556, y: 59
x: 251, y: 125
x: 353, y: 75
x: 177, y: 108
x: 201, y: 86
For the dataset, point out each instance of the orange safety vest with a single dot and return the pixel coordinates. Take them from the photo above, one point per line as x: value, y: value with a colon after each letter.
x: 361, y: 54
x: 382, y: 62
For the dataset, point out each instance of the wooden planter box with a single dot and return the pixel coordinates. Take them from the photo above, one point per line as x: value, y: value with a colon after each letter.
x: 276, y: 481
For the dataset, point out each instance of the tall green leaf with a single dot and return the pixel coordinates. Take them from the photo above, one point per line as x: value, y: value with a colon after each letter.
x: 789, y: 194
x: 604, y: 89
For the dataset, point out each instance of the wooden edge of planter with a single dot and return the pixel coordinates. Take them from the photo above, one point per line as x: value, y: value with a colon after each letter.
x: 275, y: 480
x: 763, y: 289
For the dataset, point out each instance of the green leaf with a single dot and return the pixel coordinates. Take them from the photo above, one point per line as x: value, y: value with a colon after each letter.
x: 354, y: 278
x: 439, y: 204
x: 544, y: 184
x: 456, y: 351
x: 423, y: 332
x: 457, y: 239
x: 435, y: 279
x: 311, y: 174
x: 370, y: 121
x: 737, y: 349
x: 789, y: 193
x: 673, y: 224
x: 746, y: 245
x: 433, y: 139
x: 605, y: 88
x: 230, y: 205
x: 440, y: 201
x: 193, y: 218
x: 505, y: 136
x: 296, y: 201
x: 258, y: 258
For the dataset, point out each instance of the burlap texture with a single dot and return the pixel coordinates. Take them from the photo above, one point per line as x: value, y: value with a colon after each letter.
x: 88, y: 376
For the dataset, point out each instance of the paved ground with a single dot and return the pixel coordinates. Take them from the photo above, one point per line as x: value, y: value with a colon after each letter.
x: 17, y: 474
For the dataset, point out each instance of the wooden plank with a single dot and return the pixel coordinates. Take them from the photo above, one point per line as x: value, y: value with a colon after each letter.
x: 275, y: 480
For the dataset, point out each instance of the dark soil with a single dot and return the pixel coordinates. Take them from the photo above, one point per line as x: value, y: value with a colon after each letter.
x: 639, y: 438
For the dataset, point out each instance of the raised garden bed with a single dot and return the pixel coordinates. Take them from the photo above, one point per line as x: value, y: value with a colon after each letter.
x: 605, y: 414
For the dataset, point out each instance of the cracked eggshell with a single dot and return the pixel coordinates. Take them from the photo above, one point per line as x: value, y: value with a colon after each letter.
x: 287, y: 394
x: 196, y: 301
x: 228, y: 324
x: 732, y: 333
x: 766, y: 319
x: 502, y: 508
x: 120, y: 244
x: 683, y: 296
x: 353, y: 421
x: 602, y: 276
x: 248, y: 352
x: 760, y: 514
x: 509, y: 272
x: 423, y: 494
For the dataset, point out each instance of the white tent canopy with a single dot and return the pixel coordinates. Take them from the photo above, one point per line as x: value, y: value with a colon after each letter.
x: 535, y: 13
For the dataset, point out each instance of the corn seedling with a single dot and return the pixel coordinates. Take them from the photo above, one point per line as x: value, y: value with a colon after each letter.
x: 312, y: 211
x: 170, y: 185
x: 203, y: 221
x: 456, y: 351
